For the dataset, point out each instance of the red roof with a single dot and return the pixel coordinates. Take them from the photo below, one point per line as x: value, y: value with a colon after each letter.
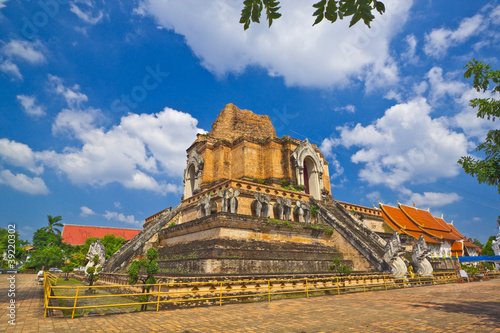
x: 77, y: 234
x: 399, y: 221
x: 457, y: 248
x: 429, y: 223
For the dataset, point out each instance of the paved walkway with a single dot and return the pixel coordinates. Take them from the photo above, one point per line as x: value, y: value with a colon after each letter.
x: 468, y: 307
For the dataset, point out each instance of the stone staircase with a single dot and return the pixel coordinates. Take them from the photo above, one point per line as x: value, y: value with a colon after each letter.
x: 134, y: 246
x: 367, y: 242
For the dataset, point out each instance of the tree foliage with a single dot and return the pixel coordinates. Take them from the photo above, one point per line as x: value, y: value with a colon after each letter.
x: 111, y: 243
x: 53, y: 223
x: 43, y: 238
x: 330, y: 10
x: 19, y: 254
x: 487, y: 249
x: 485, y: 170
x: 47, y: 257
x: 151, y: 268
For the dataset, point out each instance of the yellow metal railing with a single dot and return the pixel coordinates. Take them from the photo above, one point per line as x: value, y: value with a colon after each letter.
x: 217, y: 291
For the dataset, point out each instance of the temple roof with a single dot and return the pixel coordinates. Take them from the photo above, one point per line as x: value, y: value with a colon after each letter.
x: 233, y: 123
x: 426, y: 221
x: 397, y: 219
x: 77, y: 234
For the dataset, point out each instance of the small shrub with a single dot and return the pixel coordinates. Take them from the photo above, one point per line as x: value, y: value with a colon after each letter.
x: 171, y: 224
x: 338, y: 268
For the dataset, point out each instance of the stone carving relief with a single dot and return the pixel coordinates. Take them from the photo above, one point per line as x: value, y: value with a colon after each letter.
x: 304, y: 211
x: 419, y: 255
x: 206, y: 206
x: 282, y: 207
x: 95, y: 248
x: 192, y: 178
x: 261, y: 206
x: 229, y: 201
x: 392, y: 251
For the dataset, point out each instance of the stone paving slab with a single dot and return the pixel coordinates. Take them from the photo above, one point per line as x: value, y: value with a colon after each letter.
x: 466, y: 307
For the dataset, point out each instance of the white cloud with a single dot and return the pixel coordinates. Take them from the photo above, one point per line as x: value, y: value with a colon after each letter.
x: 495, y: 15
x: 435, y: 199
x: 441, y: 87
x: 137, y: 153
x: 2, y: 3
x: 30, y: 52
x: 321, y: 56
x: 409, y: 55
x: 23, y: 183
x: 121, y: 217
x: 11, y: 69
x: 19, y: 155
x: 73, y: 98
x: 374, y: 197
x: 87, y: 15
x: 29, y: 107
x: 132, y: 153
x: 461, y: 93
x: 348, y: 108
x: 440, y: 40
x: 405, y: 145
x: 117, y: 204
x: 86, y: 211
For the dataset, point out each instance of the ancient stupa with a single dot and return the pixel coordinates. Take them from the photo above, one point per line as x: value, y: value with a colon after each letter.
x: 256, y: 203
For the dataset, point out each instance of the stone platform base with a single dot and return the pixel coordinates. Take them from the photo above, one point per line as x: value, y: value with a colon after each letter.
x: 239, y: 244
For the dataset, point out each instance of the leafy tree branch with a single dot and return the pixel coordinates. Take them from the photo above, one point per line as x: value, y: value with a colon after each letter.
x: 331, y: 10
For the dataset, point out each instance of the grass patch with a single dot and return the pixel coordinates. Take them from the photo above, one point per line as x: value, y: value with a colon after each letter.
x: 70, y: 282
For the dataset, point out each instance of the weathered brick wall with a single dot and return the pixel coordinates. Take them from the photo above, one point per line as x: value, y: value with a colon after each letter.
x: 233, y: 122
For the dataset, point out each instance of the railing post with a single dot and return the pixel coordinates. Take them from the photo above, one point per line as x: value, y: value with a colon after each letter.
x: 338, y: 287
x: 269, y: 290
x: 364, y: 284
x: 307, y: 288
x: 74, y: 304
x: 385, y: 283
x: 158, y: 303
x: 220, y: 295
x: 420, y: 282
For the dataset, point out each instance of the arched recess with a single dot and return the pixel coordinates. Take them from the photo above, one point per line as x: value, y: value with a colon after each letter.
x: 308, y: 168
x: 192, y: 174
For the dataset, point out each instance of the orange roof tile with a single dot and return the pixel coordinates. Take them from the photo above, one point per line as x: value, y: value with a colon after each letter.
x: 457, y: 246
x: 425, y: 220
x: 398, y: 220
x: 469, y: 244
x: 455, y: 232
x: 77, y: 234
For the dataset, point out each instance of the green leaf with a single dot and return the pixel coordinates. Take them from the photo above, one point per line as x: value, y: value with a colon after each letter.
x: 355, y: 19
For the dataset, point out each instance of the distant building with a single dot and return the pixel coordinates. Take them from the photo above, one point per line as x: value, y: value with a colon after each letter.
x: 77, y: 234
x: 442, y: 238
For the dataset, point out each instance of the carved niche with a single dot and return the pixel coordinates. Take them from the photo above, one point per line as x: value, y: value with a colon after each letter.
x: 304, y: 156
x: 192, y: 174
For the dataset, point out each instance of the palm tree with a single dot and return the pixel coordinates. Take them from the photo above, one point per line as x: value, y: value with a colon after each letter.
x: 53, y: 222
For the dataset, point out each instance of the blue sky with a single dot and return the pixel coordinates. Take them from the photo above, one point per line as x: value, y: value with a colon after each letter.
x: 101, y: 99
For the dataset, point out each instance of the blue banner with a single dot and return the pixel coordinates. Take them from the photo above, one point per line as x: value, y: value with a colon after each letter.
x: 479, y: 258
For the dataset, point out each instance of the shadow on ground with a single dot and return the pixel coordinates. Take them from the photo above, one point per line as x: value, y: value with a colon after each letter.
x: 489, y: 312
